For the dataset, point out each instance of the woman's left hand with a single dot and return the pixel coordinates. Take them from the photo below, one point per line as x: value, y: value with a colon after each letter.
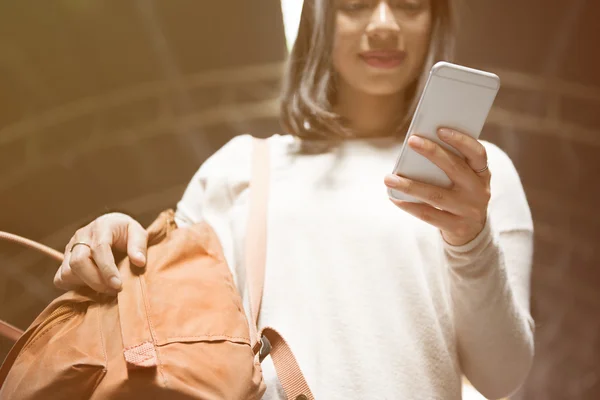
x: 460, y: 212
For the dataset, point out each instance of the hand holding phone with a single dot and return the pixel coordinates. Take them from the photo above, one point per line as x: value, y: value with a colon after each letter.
x: 441, y: 175
x: 454, y: 97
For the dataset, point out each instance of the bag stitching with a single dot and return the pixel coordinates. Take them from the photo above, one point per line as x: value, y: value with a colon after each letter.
x: 102, y: 340
x: 152, y: 332
x: 39, y: 337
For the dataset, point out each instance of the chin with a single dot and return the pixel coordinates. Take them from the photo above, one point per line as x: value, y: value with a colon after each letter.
x: 382, y: 82
x: 382, y: 90
x: 381, y: 87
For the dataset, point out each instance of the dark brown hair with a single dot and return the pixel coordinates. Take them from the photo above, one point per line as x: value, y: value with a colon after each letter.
x: 306, y: 109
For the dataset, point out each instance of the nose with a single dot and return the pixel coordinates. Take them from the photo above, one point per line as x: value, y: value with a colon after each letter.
x: 383, y: 24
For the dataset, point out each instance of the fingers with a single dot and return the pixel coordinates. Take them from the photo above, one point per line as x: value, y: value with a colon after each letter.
x: 474, y: 152
x: 137, y: 243
x: 459, y: 212
x: 442, y: 220
x: 430, y: 194
x: 455, y: 167
x: 455, y: 230
x: 109, y: 232
x: 102, y: 256
x: 92, y: 263
x: 65, y: 278
x: 82, y: 265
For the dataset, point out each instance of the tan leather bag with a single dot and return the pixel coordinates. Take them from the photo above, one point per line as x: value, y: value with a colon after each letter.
x: 177, y: 330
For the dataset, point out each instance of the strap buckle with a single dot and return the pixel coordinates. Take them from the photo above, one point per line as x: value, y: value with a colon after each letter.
x: 265, y: 348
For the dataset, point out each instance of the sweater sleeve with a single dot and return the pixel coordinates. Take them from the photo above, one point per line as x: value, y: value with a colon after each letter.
x: 489, y: 286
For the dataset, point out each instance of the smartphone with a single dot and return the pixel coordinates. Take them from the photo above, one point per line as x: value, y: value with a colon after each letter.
x: 455, y: 97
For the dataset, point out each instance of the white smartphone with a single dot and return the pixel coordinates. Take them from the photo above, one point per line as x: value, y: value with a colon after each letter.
x: 454, y: 97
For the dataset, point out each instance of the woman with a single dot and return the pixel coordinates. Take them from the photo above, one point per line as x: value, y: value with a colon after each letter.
x: 378, y: 299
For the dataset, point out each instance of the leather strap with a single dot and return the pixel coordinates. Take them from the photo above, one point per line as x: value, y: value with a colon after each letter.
x: 10, y: 332
x: 256, y: 233
x: 6, y: 329
x: 57, y: 255
x: 288, y: 371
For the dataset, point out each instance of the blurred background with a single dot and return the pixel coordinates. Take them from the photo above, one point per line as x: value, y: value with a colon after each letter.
x: 113, y: 105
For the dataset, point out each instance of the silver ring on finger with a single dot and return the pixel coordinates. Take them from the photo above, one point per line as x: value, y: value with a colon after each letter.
x: 80, y: 243
x: 479, y: 171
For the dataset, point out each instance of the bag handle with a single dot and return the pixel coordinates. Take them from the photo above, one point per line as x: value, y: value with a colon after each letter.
x: 57, y: 255
x: 10, y: 332
x: 288, y: 371
x: 7, y: 330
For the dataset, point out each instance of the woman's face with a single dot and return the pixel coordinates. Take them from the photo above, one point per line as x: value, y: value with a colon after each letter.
x: 380, y: 45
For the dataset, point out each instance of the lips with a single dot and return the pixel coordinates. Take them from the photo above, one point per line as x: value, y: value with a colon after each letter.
x: 383, y: 58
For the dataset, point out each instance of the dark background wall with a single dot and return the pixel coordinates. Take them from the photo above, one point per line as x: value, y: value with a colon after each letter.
x: 113, y: 106
x: 547, y: 118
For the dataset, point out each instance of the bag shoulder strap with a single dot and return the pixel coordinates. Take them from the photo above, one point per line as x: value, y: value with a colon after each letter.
x: 256, y: 232
x: 7, y: 330
x: 288, y: 371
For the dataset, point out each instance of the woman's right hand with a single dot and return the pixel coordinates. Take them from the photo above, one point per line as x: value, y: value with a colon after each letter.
x: 89, y: 259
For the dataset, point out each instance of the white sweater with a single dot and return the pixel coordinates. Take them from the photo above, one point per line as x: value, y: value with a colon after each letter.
x: 373, y: 302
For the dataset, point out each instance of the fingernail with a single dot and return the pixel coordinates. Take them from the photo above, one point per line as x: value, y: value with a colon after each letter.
x: 392, y: 179
x: 140, y: 256
x: 115, y: 283
x: 417, y: 141
x: 446, y: 133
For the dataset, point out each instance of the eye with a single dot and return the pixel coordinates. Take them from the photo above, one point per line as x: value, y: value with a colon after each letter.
x: 354, y: 5
x: 412, y: 6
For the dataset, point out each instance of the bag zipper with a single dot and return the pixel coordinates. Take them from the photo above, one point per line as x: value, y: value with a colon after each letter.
x: 58, y: 316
